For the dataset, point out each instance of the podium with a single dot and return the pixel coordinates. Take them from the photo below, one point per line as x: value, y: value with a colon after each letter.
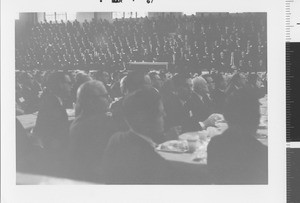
x: 147, y: 66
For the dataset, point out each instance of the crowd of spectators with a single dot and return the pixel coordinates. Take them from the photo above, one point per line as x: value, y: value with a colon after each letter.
x: 215, y: 42
x: 29, y: 85
x: 217, y: 66
x: 190, y: 103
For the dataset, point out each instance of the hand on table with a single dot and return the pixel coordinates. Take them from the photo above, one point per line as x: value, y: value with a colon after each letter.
x: 213, y: 119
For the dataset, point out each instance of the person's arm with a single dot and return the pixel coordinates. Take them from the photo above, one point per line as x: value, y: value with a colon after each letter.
x: 211, y: 120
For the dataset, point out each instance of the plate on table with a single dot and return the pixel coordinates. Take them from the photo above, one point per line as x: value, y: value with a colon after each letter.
x: 193, y: 135
x: 173, y: 146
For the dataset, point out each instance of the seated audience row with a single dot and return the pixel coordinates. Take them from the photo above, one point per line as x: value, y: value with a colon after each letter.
x: 214, y: 42
x: 112, y: 140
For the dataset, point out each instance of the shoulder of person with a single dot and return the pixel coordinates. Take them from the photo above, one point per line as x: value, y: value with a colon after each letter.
x: 49, y: 98
x: 219, y: 140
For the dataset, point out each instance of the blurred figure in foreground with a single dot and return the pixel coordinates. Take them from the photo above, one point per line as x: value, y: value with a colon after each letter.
x: 236, y: 156
x: 131, y: 158
x: 90, y: 131
x: 52, y: 125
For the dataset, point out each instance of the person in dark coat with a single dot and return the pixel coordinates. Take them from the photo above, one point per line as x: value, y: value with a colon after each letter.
x: 176, y: 114
x: 236, y: 156
x: 218, y: 94
x: 89, y: 132
x: 52, y: 125
x: 128, y: 84
x: 130, y: 157
x: 200, y: 104
x: 80, y: 78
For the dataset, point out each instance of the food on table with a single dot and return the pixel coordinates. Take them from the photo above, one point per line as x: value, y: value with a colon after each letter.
x: 178, y: 146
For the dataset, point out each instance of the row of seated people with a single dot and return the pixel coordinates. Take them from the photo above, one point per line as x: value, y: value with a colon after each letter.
x: 198, y: 42
x: 114, y: 142
x: 30, y: 84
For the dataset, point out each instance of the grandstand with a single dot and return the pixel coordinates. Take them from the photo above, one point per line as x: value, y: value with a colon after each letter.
x: 104, y: 41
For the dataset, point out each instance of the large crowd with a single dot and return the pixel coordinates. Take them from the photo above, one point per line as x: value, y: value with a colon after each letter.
x: 196, y: 43
x: 74, y: 149
x: 122, y: 115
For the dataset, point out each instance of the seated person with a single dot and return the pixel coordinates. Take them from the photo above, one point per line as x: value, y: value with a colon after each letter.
x: 80, y: 78
x: 236, y: 82
x: 218, y: 94
x: 174, y: 93
x: 90, y: 131
x: 198, y: 105
x: 128, y: 84
x: 130, y: 157
x: 28, y: 93
x: 236, y: 156
x: 24, y: 149
x: 184, y: 108
x: 52, y: 125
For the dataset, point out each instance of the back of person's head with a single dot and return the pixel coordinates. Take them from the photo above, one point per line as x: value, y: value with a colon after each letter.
x: 242, y: 109
x: 219, y: 81
x: 81, y: 77
x: 56, y: 83
x: 91, y: 98
x: 182, y: 85
x: 210, y: 81
x: 180, y: 80
x: 252, y: 79
x: 155, y: 79
x: 143, y: 110
x: 199, y: 85
x: 237, y: 79
x: 134, y: 81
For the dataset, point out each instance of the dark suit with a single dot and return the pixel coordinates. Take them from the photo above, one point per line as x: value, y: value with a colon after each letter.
x: 199, y: 110
x: 130, y: 159
x: 117, y: 115
x: 176, y: 114
x: 88, y: 139
x: 218, y: 98
x: 52, y: 124
x: 234, y: 158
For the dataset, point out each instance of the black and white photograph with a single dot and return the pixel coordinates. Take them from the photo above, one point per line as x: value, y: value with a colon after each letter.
x: 144, y: 101
x: 141, y: 98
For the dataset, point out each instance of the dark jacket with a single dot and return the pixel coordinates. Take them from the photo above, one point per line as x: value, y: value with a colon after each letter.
x: 88, y: 139
x: 131, y: 159
x: 52, y: 124
x: 198, y: 109
x: 234, y: 158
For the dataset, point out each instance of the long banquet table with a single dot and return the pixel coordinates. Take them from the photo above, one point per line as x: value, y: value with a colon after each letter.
x: 28, y: 121
x: 199, y: 157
